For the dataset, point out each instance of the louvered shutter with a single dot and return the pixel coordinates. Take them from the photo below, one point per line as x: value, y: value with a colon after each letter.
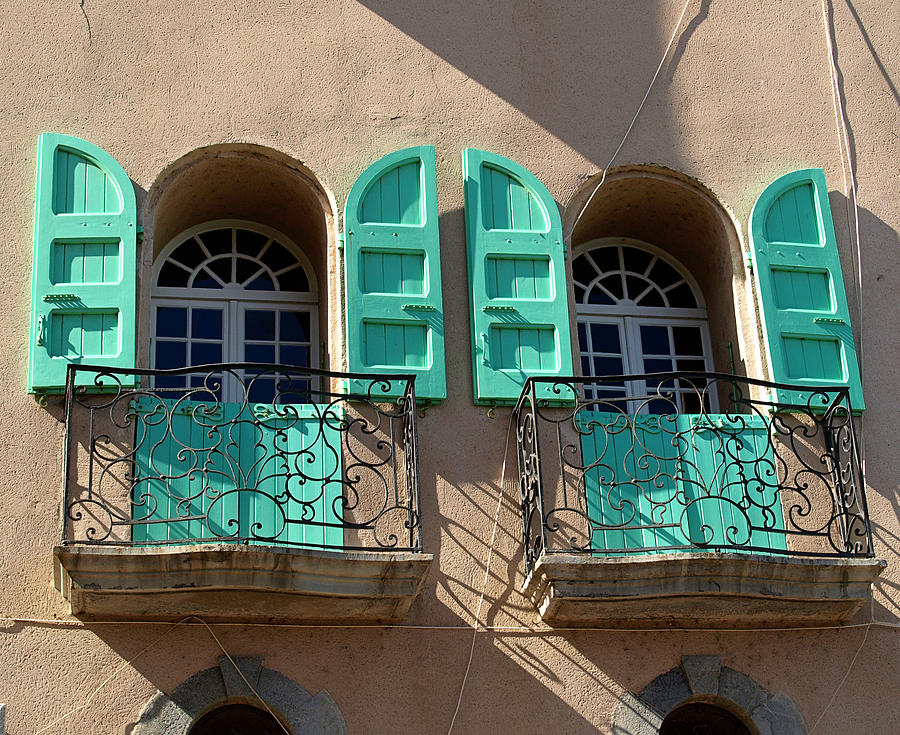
x: 83, y: 273
x: 801, y: 291
x: 517, y: 279
x: 395, y: 313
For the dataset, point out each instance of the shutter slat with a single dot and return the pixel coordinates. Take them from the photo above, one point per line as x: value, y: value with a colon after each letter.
x: 804, y: 309
x: 519, y: 297
x: 392, y: 261
x: 84, y: 269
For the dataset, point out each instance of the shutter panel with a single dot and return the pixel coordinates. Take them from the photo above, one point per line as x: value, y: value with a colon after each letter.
x: 83, y: 273
x: 395, y: 312
x: 805, y: 316
x: 517, y: 279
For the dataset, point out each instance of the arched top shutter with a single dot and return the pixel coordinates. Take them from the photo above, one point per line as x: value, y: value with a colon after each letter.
x: 84, y: 268
x: 805, y: 316
x: 517, y: 278
x: 395, y: 312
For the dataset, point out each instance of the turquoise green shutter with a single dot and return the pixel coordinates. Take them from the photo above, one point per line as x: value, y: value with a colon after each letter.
x: 517, y: 278
x: 83, y: 272
x: 801, y: 291
x: 395, y: 313
x: 662, y: 483
x: 229, y: 470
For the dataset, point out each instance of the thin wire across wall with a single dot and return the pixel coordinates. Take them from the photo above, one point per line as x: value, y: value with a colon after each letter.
x: 665, y: 55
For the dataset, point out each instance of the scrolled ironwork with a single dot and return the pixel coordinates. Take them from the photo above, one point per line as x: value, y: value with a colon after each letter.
x: 241, y: 453
x: 610, y: 473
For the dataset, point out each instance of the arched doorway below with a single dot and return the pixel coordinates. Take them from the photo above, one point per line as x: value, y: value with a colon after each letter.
x: 701, y: 718
x: 237, y: 719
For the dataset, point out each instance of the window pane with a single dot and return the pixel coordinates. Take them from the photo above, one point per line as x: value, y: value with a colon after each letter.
x: 189, y: 253
x: 690, y: 402
x: 607, y: 366
x: 206, y: 323
x: 261, y: 390
x: 250, y: 242
x: 170, y: 355
x: 652, y: 365
x: 245, y: 268
x: 295, y: 280
x: 655, y: 340
x: 261, y: 283
x: 596, y: 296
x: 278, y: 257
x: 294, y: 355
x: 217, y: 242
x: 652, y: 298
x: 203, y: 353
x: 605, y: 338
x: 222, y: 268
x: 171, y: 276
x: 171, y: 322
x: 663, y: 274
x: 636, y: 286
x: 294, y: 326
x: 259, y: 353
x: 259, y: 324
x: 688, y: 341
x: 692, y: 366
x: 205, y: 279
x: 636, y: 260
x: 582, y: 336
x: 613, y: 284
x: 682, y: 297
x: 606, y: 258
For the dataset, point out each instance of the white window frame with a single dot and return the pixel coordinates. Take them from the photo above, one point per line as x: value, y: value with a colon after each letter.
x: 235, y: 300
x: 629, y: 318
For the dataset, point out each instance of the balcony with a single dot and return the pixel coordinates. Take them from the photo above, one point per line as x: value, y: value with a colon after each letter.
x: 240, y: 492
x: 646, y: 505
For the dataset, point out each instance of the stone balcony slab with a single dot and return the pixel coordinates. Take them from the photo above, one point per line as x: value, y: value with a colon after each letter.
x: 237, y: 582
x: 699, y: 590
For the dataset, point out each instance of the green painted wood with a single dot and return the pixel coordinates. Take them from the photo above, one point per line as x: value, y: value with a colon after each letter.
x: 667, y: 481
x: 84, y: 265
x: 239, y: 481
x: 394, y: 306
x: 804, y: 309
x: 517, y: 279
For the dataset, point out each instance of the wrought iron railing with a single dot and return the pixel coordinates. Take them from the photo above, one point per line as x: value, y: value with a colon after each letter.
x: 241, y: 453
x: 646, y: 464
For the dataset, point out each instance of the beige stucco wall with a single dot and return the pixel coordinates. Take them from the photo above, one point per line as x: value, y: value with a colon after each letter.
x: 335, y: 84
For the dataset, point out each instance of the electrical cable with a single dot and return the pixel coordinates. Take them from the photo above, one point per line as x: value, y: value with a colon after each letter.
x: 549, y: 632
x: 146, y: 648
x: 487, y: 570
x: 840, y: 120
x: 583, y: 209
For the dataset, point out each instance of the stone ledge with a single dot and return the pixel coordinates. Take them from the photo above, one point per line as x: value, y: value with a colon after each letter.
x: 699, y: 590
x: 232, y: 582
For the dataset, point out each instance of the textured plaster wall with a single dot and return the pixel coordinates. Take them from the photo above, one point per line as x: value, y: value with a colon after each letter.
x: 336, y: 84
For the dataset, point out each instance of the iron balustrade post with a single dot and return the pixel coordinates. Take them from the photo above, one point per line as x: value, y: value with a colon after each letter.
x: 67, y: 452
x: 415, y: 530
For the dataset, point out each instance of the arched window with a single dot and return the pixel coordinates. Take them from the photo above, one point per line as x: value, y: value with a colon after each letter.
x: 638, y: 311
x: 233, y: 291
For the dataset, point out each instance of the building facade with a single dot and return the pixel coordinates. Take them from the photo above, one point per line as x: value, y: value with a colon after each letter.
x: 372, y: 367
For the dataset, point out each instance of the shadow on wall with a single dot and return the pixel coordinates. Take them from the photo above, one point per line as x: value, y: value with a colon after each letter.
x: 585, y: 54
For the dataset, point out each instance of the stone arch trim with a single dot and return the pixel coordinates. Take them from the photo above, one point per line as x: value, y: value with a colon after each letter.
x: 703, y: 678
x: 304, y: 713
